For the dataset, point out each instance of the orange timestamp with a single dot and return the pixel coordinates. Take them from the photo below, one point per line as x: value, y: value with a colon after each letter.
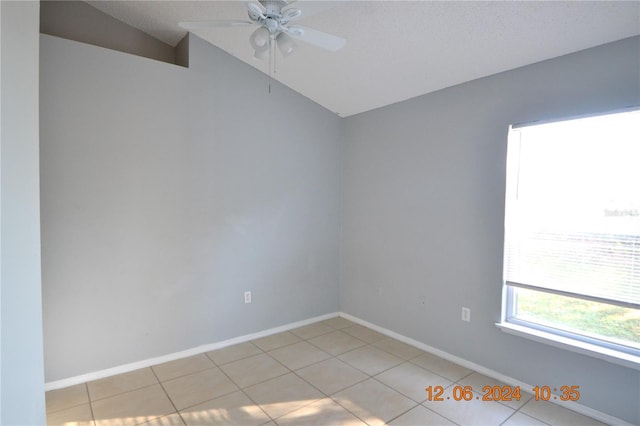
x: 501, y: 393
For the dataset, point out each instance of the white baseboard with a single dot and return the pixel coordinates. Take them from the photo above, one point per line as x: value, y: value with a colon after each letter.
x: 574, y: 406
x: 579, y: 408
x: 58, y: 384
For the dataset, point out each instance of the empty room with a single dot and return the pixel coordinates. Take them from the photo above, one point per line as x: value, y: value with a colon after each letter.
x: 320, y: 213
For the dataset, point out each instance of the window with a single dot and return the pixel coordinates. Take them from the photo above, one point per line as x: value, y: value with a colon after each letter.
x: 572, y: 234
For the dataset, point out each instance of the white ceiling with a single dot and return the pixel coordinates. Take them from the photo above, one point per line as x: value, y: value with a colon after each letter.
x: 397, y: 50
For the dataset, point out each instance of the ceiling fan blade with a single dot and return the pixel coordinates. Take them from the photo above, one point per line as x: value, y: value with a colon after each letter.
x: 316, y: 38
x: 256, y: 11
x: 196, y: 25
x: 312, y: 7
x: 289, y: 14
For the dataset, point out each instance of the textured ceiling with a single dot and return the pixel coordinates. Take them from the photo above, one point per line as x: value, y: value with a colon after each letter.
x: 397, y: 50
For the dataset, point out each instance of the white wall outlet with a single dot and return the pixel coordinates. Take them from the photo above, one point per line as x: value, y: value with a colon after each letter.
x: 466, y: 314
x: 247, y: 297
x: 423, y: 300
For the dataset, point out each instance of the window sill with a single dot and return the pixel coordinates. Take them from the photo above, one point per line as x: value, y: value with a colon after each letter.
x: 610, y: 355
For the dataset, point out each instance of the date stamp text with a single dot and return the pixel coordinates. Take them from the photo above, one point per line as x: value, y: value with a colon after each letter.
x: 501, y: 393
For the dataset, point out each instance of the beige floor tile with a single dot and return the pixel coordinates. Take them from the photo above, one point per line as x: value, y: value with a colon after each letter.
x: 398, y: 348
x: 331, y: 376
x: 68, y: 397
x: 441, y: 367
x: 276, y: 341
x: 411, y: 380
x: 232, y: 409
x: 170, y: 420
x: 339, y: 322
x: 364, y: 333
x: 182, y: 367
x: 234, y: 353
x: 299, y: 355
x: 370, y: 360
x: 479, y: 381
x: 110, y: 386
x: 198, y: 387
x: 421, y: 416
x: 131, y: 408
x: 555, y: 414
x: 255, y: 369
x: 325, y: 412
x: 206, y: 394
x: 473, y: 412
x: 80, y: 415
x: 312, y: 330
x: 519, y: 419
x: 373, y: 402
x: 283, y: 395
x: 337, y: 342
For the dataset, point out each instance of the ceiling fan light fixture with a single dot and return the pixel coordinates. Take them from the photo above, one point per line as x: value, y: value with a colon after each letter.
x: 273, y: 26
x: 260, y: 38
x: 261, y: 54
x: 286, y: 45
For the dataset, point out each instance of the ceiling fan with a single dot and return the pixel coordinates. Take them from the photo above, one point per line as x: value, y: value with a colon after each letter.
x: 273, y: 26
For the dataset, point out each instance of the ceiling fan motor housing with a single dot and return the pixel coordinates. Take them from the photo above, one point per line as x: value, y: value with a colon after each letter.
x: 273, y: 24
x: 271, y: 17
x: 273, y: 8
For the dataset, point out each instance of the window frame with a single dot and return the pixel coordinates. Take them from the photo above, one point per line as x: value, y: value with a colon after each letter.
x: 608, y: 351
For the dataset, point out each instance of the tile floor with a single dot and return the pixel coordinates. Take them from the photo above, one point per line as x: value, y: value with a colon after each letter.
x: 332, y: 372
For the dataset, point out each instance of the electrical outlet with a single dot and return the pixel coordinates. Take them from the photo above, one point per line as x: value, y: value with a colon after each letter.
x: 423, y: 300
x: 466, y: 314
x: 247, y: 297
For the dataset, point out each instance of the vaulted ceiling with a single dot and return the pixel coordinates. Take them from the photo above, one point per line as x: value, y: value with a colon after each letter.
x: 397, y: 50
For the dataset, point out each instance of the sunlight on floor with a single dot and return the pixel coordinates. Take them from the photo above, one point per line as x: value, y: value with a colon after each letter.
x: 333, y: 372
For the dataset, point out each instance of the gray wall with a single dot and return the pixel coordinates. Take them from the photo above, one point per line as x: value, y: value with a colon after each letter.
x: 21, y: 360
x: 166, y: 193
x: 77, y: 20
x: 424, y: 211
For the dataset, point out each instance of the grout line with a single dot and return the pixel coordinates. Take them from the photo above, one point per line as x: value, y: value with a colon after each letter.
x: 341, y: 353
x: 168, y: 397
x: 397, y: 390
x: 239, y: 359
x: 347, y: 409
x: 93, y: 416
x: 125, y: 392
x: 453, y: 381
x: 266, y: 380
x: 325, y: 395
x: 404, y: 412
x: 213, y: 367
x: 368, y: 376
x: 317, y: 335
x: 441, y: 415
x: 241, y: 389
x: 47, y: 411
x: 278, y: 347
x: 507, y: 419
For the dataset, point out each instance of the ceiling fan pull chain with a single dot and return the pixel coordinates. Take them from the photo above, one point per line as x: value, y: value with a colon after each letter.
x: 270, y: 59
x: 275, y: 58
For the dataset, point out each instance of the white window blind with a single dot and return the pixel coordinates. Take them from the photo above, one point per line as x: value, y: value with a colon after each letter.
x: 572, y: 223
